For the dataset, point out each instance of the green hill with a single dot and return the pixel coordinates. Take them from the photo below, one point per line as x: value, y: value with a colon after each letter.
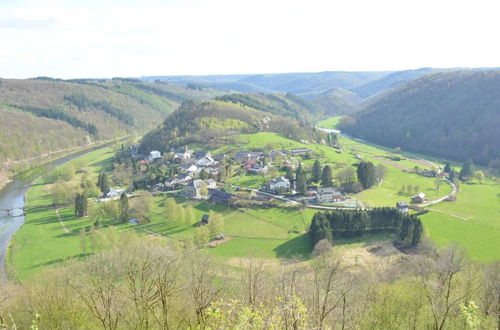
x: 338, y: 101
x: 454, y: 115
x: 286, y: 105
x: 212, y: 122
x: 45, y: 115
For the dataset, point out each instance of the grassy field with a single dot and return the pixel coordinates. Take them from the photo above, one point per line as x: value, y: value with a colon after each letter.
x: 330, y: 123
x: 42, y: 240
x: 473, y: 221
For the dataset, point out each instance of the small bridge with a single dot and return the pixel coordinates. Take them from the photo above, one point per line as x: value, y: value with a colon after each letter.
x: 12, y: 212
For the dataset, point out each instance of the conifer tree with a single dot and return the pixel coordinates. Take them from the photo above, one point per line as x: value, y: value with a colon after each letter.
x: 316, y: 172
x: 326, y: 180
x: 124, y: 207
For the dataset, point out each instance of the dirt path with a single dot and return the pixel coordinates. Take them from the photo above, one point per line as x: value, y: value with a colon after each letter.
x: 393, y: 164
x: 61, y: 221
x: 449, y: 214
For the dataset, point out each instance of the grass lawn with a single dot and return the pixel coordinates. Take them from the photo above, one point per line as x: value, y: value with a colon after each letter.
x: 298, y: 246
x: 473, y: 221
x: 480, y: 242
x: 42, y: 241
x: 330, y: 123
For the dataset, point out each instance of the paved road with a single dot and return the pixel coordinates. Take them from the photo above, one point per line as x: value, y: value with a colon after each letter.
x: 439, y: 200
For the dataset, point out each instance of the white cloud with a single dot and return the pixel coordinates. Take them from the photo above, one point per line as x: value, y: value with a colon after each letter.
x: 134, y: 38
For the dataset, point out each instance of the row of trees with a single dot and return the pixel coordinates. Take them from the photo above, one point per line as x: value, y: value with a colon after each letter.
x: 152, y: 284
x: 348, y: 223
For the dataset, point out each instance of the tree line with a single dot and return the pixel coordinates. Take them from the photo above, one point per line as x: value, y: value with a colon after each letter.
x: 59, y: 115
x: 82, y: 102
x: 349, y: 223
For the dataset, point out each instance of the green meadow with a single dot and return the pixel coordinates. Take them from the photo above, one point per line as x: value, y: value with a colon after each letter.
x: 330, y: 123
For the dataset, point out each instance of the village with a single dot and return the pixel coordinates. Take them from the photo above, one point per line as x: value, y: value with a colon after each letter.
x: 200, y: 175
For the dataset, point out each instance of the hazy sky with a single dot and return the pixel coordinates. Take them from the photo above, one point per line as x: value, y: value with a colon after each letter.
x: 106, y: 38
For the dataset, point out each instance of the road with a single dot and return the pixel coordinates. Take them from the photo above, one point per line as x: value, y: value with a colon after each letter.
x: 439, y: 200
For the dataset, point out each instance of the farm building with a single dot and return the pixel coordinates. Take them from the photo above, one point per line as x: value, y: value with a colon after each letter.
x: 300, y: 151
x: 418, y: 198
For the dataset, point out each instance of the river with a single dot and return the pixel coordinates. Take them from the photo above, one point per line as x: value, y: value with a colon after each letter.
x: 12, y: 197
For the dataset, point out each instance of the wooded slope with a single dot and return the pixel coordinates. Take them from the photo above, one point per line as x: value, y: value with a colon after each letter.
x: 454, y: 115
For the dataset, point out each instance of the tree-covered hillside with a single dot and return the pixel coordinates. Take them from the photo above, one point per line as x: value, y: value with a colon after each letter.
x: 338, y: 101
x: 44, y: 115
x: 211, y: 122
x: 287, y: 105
x: 296, y: 83
x: 453, y: 114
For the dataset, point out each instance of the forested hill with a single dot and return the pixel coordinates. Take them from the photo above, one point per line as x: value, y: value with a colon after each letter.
x: 44, y: 115
x: 296, y: 83
x: 454, y: 115
x: 287, y: 105
x: 212, y: 122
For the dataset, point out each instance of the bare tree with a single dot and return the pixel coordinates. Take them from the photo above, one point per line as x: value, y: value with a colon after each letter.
x: 441, y: 286
x: 99, y: 289
x: 205, y: 284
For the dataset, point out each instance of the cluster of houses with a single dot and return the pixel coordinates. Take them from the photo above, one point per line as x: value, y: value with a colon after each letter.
x: 192, y: 163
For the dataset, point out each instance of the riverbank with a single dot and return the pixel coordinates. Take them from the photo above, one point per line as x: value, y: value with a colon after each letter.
x: 10, y: 170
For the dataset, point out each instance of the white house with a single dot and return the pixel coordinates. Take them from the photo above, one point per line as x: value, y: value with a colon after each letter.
x: 190, y: 169
x: 211, y: 184
x: 278, y: 184
x: 206, y: 161
x: 328, y: 195
x: 183, y: 153
x: 113, y: 193
x: 155, y: 154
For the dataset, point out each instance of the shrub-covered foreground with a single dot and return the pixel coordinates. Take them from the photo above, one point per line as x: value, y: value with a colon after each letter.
x: 152, y: 285
x: 346, y: 223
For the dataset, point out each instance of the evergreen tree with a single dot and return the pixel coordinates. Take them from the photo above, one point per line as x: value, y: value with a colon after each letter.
x: 77, y: 205
x: 326, y: 180
x: 467, y: 171
x: 124, y: 207
x: 80, y: 205
x: 203, y: 174
x: 301, y: 184
x: 316, y: 172
x: 447, y: 168
x: 367, y: 174
x: 103, y: 183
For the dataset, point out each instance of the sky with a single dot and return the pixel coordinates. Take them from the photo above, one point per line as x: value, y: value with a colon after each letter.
x: 125, y: 38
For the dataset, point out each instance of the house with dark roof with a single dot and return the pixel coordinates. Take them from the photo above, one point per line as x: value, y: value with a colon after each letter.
x: 201, y: 154
x: 205, y: 219
x: 196, y: 189
x: 221, y: 197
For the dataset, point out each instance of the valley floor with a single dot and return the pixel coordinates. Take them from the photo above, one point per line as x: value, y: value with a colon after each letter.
x: 51, y: 236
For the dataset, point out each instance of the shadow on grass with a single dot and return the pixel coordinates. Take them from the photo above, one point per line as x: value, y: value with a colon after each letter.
x: 365, y: 238
x: 299, y: 246
x: 61, y: 260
